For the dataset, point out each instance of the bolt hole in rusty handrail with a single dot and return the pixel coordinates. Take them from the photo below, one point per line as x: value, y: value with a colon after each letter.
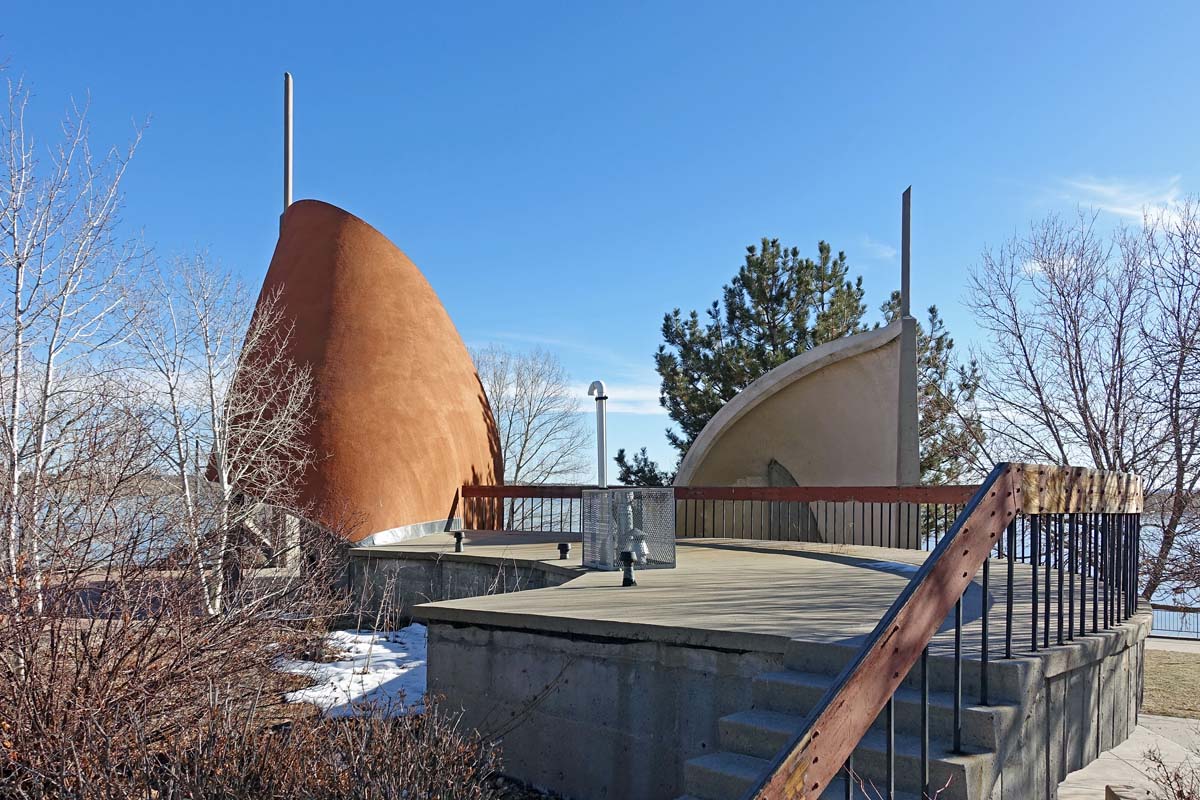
x: 1082, y: 523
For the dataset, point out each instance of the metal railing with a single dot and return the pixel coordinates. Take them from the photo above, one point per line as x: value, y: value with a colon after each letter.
x: 548, y: 508
x: 1177, y: 622
x: 914, y: 517
x: 1066, y: 538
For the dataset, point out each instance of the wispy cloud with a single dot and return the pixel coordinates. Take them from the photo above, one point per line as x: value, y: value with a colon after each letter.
x: 633, y: 398
x: 1130, y: 199
x: 880, y: 251
x: 632, y: 386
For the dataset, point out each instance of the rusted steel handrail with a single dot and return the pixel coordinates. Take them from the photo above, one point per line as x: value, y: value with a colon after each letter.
x: 849, y: 707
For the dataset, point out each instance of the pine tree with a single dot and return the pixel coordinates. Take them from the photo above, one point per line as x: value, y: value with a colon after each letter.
x: 644, y: 471
x: 778, y: 305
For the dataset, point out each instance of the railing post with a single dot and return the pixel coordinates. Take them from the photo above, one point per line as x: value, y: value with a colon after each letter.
x: 1034, y: 558
x: 983, y: 665
x: 891, y: 748
x: 925, y: 721
x: 1008, y: 595
x: 1058, y: 530
x: 1072, y: 530
x: 958, y: 617
x: 1046, y: 583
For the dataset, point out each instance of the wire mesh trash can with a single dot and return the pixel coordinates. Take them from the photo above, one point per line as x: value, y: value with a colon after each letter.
x: 640, y: 520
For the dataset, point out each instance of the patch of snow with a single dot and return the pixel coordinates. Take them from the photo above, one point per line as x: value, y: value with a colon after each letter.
x: 378, y: 671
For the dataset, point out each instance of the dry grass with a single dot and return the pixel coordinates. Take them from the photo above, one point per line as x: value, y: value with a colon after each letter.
x: 1172, y: 684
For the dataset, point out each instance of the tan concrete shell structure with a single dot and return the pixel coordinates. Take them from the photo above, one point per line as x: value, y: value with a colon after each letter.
x: 401, y: 419
x: 841, y: 414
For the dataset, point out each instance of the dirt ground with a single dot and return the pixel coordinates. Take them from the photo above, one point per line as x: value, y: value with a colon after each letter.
x: 1172, y: 683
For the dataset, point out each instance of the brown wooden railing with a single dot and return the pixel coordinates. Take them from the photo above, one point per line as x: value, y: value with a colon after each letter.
x: 1085, y: 523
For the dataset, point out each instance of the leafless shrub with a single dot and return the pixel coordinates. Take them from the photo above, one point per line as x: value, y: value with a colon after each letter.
x: 229, y: 753
x: 1174, y: 781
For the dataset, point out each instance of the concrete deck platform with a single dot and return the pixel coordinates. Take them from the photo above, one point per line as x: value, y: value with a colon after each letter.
x: 735, y: 593
x: 575, y: 673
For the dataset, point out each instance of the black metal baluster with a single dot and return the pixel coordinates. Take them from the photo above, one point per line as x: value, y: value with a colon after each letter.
x: 850, y: 777
x: 1034, y: 557
x: 1105, y: 525
x: 1094, y: 563
x: 1137, y: 555
x: 983, y: 664
x: 1083, y: 560
x: 1049, y: 562
x: 891, y: 747
x: 958, y: 614
x: 1118, y: 540
x: 1071, y: 531
x: 1125, y: 568
x: 1117, y: 572
x: 1058, y: 530
x: 1008, y: 595
x: 925, y: 721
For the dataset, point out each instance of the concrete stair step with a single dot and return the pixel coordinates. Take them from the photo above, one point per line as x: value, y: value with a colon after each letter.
x: 796, y: 692
x: 722, y: 776
x: 729, y: 775
x: 1007, y: 678
x: 764, y: 734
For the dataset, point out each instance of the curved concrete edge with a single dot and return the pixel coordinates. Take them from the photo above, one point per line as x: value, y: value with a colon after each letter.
x: 766, y: 386
x: 558, y: 570
x: 602, y: 629
x: 403, y: 533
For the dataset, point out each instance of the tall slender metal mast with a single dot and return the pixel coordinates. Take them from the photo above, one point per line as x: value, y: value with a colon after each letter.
x: 908, y: 452
x: 287, y: 140
x: 905, y: 287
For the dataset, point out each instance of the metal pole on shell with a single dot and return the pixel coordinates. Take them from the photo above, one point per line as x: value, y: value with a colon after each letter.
x: 905, y: 289
x: 908, y: 451
x: 598, y: 391
x: 287, y: 140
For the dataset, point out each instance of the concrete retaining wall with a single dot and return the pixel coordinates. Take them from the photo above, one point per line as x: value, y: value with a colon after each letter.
x: 389, y: 583
x: 590, y: 717
x: 604, y: 717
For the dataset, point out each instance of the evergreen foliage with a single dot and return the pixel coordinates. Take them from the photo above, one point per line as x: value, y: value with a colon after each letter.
x: 779, y: 305
x: 643, y: 471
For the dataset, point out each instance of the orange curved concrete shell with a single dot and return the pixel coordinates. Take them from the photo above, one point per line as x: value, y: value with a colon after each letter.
x: 401, y: 419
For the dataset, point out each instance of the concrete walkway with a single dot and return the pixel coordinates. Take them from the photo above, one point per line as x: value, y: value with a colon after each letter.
x: 1173, y: 645
x: 1125, y: 765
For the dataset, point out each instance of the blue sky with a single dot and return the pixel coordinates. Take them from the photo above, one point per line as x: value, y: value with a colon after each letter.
x: 564, y: 173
